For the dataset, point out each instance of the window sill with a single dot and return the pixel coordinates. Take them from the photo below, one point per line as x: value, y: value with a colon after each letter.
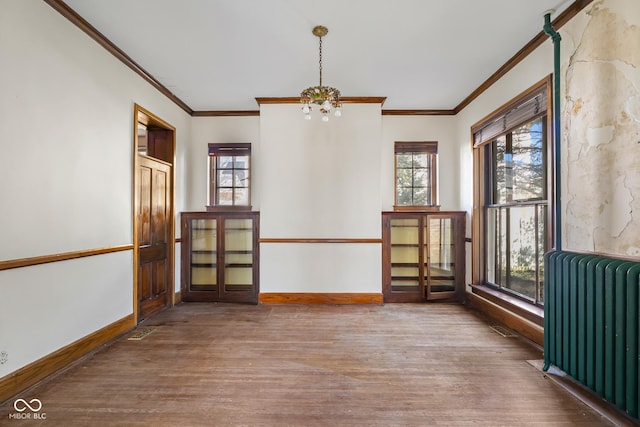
x: 521, y: 308
x: 228, y: 208
x: 430, y: 208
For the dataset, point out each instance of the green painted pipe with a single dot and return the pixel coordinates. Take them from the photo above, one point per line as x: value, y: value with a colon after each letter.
x: 555, y: 37
x: 549, y: 345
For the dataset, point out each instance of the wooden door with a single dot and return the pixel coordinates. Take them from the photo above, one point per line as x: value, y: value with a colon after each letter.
x: 154, y: 216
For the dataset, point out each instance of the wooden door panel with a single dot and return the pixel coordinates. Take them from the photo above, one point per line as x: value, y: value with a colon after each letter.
x: 144, y: 282
x: 144, y: 213
x: 160, y: 144
x: 160, y: 276
x: 153, y: 219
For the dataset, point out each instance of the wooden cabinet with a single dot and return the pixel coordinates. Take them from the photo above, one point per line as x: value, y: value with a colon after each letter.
x: 220, y: 256
x: 423, y: 256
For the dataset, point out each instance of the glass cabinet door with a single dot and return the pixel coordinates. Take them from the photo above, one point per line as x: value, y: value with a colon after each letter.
x: 219, y: 257
x: 423, y: 256
x: 204, y: 243
x: 238, y: 255
x: 405, y: 255
x: 439, y: 252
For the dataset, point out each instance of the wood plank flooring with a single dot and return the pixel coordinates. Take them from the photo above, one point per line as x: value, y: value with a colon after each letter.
x: 208, y: 364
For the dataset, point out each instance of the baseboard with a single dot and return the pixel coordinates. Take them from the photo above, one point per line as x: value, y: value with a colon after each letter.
x: 27, y: 376
x: 319, y: 298
x: 514, y: 322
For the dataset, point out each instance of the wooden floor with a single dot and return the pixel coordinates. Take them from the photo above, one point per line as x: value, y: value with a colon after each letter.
x: 321, y: 365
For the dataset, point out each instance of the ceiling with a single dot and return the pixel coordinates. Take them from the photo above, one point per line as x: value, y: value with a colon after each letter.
x: 219, y: 55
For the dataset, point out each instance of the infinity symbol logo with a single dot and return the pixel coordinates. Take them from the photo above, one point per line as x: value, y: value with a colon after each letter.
x: 21, y: 405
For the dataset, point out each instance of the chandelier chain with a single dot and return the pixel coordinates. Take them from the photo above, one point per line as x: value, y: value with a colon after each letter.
x: 320, y: 60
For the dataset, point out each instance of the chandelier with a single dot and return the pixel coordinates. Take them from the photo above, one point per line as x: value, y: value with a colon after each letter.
x: 326, y: 97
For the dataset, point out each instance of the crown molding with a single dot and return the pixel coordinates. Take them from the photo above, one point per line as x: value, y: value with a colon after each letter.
x: 418, y: 112
x: 344, y: 99
x: 226, y: 113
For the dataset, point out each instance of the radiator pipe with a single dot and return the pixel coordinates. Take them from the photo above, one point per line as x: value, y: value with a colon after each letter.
x: 555, y: 37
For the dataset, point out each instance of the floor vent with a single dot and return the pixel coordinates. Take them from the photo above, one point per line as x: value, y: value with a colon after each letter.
x: 503, y: 331
x: 140, y: 334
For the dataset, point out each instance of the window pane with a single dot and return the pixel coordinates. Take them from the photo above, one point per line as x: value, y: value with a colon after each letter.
x: 421, y: 196
x: 421, y: 178
x: 519, y: 169
x: 499, y: 171
x: 420, y: 160
x: 542, y: 248
x: 241, y: 196
x: 241, y: 162
x: 225, y: 162
x: 522, y: 241
x: 414, y: 179
x: 241, y: 178
x: 404, y: 160
x: 404, y: 196
x: 501, y: 247
x: 225, y: 178
x: 225, y: 196
x: 404, y: 178
x: 492, y: 226
x: 231, y: 174
x: 528, y: 161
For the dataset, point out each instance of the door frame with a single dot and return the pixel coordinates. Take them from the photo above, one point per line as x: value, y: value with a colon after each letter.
x: 142, y: 115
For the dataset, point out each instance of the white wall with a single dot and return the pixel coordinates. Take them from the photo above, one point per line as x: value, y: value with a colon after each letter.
x: 423, y: 128
x: 66, y: 137
x: 535, y: 67
x: 320, y: 180
x: 206, y: 130
x: 48, y: 306
x: 530, y: 71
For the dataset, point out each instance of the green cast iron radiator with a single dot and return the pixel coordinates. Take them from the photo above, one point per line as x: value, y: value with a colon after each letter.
x: 591, y: 324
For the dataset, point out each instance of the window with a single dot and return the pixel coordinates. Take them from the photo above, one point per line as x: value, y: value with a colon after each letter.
x: 229, y: 175
x: 415, y: 166
x: 510, y: 155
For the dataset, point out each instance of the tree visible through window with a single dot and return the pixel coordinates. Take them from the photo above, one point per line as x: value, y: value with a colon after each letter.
x: 510, y: 156
x: 516, y: 212
x: 229, y: 170
x: 415, y: 166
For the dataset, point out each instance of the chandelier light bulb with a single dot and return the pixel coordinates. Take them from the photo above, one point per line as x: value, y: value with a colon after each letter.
x: 306, y: 109
x: 325, y: 117
x: 326, y: 105
x: 337, y: 113
x: 307, y: 116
